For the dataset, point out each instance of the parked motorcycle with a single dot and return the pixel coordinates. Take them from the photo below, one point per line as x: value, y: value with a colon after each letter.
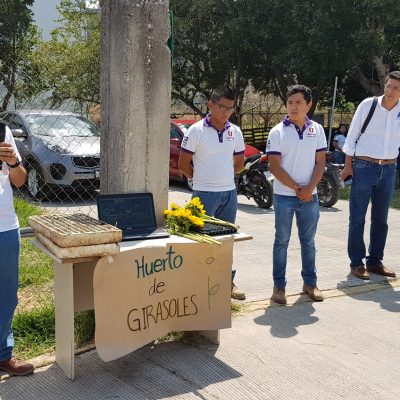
x: 252, y: 182
x: 328, y: 187
x: 330, y: 184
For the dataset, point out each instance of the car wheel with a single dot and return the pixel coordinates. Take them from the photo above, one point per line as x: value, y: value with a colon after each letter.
x: 188, y: 184
x: 35, y: 182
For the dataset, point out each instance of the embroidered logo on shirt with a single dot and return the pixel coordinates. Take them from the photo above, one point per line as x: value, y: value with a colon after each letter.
x: 229, y: 135
x: 311, y: 132
x: 185, y: 140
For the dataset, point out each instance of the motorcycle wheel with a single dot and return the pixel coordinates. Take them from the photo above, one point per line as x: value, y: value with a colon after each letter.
x: 328, y: 191
x: 263, y: 194
x: 189, y: 184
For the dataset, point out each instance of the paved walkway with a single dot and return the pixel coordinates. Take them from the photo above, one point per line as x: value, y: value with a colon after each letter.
x: 344, y: 348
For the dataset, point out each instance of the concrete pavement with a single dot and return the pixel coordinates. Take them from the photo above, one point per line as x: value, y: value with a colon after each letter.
x: 344, y: 348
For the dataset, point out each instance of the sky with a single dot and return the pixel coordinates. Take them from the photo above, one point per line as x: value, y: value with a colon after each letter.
x: 45, y: 14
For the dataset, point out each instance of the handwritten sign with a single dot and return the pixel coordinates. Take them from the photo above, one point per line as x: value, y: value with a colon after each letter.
x: 144, y: 293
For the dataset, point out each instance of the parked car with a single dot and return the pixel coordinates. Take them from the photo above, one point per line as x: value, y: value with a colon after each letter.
x: 176, y: 134
x: 175, y: 139
x: 61, y: 150
x: 184, y: 124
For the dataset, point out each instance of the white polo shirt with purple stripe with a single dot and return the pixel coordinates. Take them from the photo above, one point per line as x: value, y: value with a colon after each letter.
x: 297, y: 148
x: 213, y: 152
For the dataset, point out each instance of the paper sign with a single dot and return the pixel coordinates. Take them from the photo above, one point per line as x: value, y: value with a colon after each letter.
x: 148, y: 292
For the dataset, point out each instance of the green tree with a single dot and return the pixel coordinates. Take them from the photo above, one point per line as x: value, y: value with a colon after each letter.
x: 374, y: 50
x: 211, y: 48
x: 18, y: 37
x: 311, y: 42
x: 300, y: 42
x: 70, y: 61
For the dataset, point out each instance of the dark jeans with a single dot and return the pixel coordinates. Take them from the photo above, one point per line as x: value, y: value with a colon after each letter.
x: 376, y: 183
x: 9, y: 249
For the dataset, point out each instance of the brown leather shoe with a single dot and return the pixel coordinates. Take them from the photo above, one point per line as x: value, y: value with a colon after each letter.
x: 381, y: 270
x: 360, y: 272
x: 279, y: 296
x: 313, y: 293
x: 237, y: 294
x: 14, y: 367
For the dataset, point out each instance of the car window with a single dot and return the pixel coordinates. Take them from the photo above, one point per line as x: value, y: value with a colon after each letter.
x: 5, y: 118
x: 16, y: 122
x: 174, y: 133
x: 61, y: 125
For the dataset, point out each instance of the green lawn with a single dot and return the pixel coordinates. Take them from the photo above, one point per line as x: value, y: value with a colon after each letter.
x: 34, y: 321
x: 345, y: 195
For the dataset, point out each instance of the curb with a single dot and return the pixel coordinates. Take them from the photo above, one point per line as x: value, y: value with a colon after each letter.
x: 297, y: 298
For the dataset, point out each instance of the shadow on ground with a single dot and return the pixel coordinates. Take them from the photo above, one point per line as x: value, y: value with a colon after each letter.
x: 153, y: 372
x: 283, y: 321
x: 385, y: 296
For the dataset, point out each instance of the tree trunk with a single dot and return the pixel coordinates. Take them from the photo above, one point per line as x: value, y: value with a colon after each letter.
x: 135, y: 98
x: 373, y: 87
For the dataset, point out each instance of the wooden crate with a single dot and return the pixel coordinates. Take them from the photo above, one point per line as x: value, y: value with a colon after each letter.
x: 75, y: 230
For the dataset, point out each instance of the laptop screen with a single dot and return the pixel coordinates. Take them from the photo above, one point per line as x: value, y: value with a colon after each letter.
x: 129, y: 211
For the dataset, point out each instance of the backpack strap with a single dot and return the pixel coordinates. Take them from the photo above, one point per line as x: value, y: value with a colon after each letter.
x: 368, y: 119
x: 369, y: 116
x: 2, y: 131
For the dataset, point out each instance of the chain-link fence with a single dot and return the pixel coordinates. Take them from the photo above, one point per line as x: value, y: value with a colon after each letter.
x: 61, y: 153
x: 54, y: 120
x: 60, y: 150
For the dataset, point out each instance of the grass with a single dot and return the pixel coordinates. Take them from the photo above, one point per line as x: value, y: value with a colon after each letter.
x: 24, y: 210
x: 344, y: 194
x: 34, y: 320
x: 35, y: 266
x: 34, y: 331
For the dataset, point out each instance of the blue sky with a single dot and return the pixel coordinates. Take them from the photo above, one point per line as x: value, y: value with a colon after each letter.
x: 45, y: 14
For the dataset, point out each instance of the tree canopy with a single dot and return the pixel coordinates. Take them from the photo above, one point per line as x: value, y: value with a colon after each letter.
x: 265, y: 45
x: 18, y: 37
x: 70, y: 61
x: 272, y: 44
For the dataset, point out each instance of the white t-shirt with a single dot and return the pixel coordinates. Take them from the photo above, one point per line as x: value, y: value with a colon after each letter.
x: 297, y: 151
x: 340, y: 138
x: 8, y: 217
x: 213, y: 153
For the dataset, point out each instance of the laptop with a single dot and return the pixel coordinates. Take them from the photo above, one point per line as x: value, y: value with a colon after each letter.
x: 133, y: 213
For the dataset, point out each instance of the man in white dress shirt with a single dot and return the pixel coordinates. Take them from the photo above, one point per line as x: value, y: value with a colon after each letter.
x: 371, y: 159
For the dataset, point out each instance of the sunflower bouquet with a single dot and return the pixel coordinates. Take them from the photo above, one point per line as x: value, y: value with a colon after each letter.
x: 180, y: 220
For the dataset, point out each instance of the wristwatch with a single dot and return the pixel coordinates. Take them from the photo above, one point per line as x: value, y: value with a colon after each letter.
x: 14, y: 165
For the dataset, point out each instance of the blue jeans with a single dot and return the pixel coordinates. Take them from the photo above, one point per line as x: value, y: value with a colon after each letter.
x: 9, y: 260
x: 338, y: 157
x: 222, y: 205
x: 376, y: 183
x: 307, y: 215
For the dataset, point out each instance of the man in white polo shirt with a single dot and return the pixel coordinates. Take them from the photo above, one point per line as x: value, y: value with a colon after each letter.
x: 374, y: 153
x: 212, y: 152
x: 296, y: 151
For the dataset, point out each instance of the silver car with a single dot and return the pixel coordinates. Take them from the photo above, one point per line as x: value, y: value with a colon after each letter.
x: 60, y: 150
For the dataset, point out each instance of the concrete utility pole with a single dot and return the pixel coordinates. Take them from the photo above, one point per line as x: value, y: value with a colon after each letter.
x: 135, y: 98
